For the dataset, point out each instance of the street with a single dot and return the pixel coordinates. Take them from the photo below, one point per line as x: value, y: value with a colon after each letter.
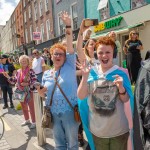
x: 17, y: 137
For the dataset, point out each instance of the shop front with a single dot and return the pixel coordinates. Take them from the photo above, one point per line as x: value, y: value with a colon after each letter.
x: 137, y: 19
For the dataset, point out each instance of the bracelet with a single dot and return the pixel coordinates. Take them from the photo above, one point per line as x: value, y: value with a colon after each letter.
x: 123, y: 92
x: 68, y: 26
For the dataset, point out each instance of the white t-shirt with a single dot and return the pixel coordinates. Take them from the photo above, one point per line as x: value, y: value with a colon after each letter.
x: 100, y: 123
x: 37, y: 65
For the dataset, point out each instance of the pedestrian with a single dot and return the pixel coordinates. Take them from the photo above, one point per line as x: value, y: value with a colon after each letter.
x: 38, y: 65
x: 24, y: 80
x: 86, y: 36
x: 141, y: 108
x: 132, y: 49
x: 1, y: 70
x: 113, y: 35
x: 91, y: 59
x: 65, y: 128
x: 5, y: 85
x: 107, y: 91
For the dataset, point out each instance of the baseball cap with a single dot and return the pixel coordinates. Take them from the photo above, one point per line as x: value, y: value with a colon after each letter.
x: 4, y: 56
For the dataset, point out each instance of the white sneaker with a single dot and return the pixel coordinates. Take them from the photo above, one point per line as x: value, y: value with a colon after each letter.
x: 25, y: 123
x: 33, y: 125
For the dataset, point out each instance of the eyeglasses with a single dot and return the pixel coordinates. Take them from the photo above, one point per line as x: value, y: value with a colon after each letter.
x: 59, y: 54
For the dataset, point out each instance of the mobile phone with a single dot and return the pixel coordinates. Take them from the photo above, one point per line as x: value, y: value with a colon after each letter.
x: 38, y: 84
x: 90, y: 22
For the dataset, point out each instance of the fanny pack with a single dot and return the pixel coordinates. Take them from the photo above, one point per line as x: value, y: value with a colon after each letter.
x: 104, y: 98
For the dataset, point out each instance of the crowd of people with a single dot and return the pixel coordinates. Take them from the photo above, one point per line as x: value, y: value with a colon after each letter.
x: 90, y: 77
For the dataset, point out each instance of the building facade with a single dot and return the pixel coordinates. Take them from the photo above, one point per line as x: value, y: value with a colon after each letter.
x: 37, y: 17
x: 76, y: 10
x: 122, y: 18
x: 6, y: 38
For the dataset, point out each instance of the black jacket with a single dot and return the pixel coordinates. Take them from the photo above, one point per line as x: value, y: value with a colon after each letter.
x: 141, y: 120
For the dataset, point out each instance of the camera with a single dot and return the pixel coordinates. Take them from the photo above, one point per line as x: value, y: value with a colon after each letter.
x: 90, y: 22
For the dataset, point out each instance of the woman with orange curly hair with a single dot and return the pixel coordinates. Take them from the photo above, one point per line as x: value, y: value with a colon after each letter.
x: 65, y: 128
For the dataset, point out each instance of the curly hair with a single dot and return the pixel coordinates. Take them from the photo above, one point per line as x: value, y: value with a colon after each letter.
x: 57, y: 45
x: 105, y: 40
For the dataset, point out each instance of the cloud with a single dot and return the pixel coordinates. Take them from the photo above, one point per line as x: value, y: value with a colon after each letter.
x: 6, y: 9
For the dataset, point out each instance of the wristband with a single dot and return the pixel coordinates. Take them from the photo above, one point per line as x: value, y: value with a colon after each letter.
x: 123, y: 92
x: 68, y: 26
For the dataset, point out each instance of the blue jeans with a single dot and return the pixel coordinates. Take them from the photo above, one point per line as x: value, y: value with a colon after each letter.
x: 39, y: 77
x: 65, y: 131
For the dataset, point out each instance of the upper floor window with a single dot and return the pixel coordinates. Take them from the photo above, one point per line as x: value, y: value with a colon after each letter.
x: 41, y: 8
x: 24, y: 3
x: 60, y: 25
x: 46, y: 5
x: 138, y: 3
x: 42, y: 32
x: 25, y: 17
x: 30, y: 14
x: 74, y: 16
x: 37, y: 41
x: 26, y: 35
x: 48, y: 29
x: 31, y: 33
x: 104, y: 9
x: 35, y: 11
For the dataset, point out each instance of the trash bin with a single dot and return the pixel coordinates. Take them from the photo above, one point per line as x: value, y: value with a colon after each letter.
x: 124, y: 63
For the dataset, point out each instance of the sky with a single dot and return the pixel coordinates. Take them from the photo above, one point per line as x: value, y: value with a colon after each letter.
x: 6, y: 9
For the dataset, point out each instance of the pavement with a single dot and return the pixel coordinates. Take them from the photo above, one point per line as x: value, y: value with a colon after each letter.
x: 17, y: 137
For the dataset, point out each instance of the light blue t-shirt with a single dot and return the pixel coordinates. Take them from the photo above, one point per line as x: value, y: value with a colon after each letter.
x: 68, y: 83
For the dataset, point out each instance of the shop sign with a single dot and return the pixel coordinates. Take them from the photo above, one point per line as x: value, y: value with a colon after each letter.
x: 108, y: 24
x: 36, y: 35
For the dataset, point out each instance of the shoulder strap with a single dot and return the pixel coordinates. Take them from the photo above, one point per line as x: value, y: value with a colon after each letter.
x: 56, y: 78
x: 64, y: 95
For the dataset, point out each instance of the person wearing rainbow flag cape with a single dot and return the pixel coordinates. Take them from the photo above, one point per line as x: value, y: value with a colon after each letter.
x: 104, y: 93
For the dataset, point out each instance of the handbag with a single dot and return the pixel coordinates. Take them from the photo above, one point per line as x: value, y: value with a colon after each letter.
x: 47, y: 118
x: 20, y: 95
x: 75, y: 108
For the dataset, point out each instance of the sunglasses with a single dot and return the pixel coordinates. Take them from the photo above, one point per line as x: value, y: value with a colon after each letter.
x: 59, y: 54
x: 34, y: 53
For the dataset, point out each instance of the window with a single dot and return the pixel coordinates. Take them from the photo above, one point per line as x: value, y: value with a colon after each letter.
x: 46, y: 5
x: 104, y: 12
x: 60, y: 24
x: 37, y: 41
x: 26, y: 35
x: 25, y: 19
x: 74, y: 16
x: 24, y: 3
x: 31, y: 32
x: 30, y: 14
x: 48, y: 29
x: 42, y: 32
x: 41, y: 8
x: 35, y: 11
x: 138, y: 3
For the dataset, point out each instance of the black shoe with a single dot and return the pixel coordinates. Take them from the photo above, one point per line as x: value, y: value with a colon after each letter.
x: 81, y: 143
x: 5, y: 106
x: 11, y: 106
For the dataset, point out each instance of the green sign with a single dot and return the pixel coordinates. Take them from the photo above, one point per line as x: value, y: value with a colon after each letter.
x: 108, y: 24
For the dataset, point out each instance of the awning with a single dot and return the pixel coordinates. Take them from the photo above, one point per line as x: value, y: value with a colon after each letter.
x: 118, y: 31
x: 102, y: 4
